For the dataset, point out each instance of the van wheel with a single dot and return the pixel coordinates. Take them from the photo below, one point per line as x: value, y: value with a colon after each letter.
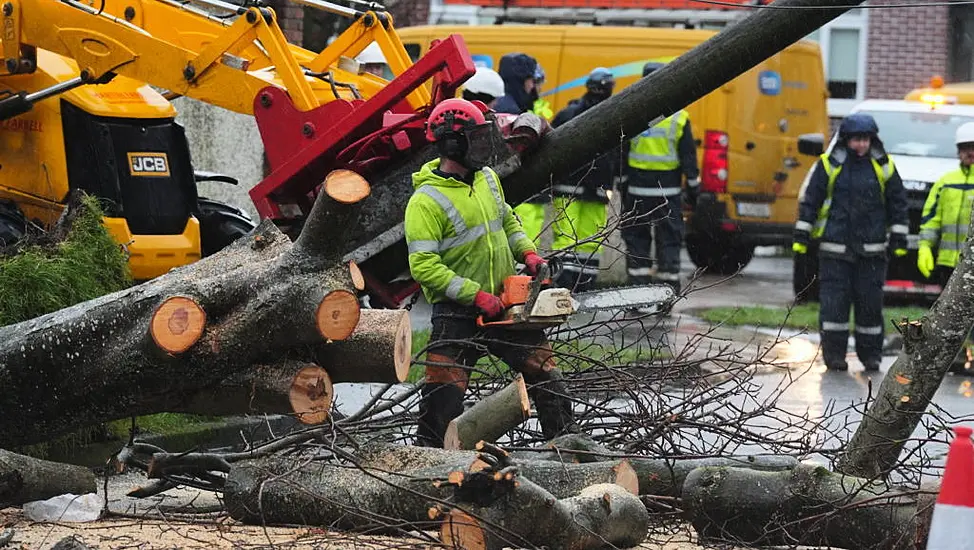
x: 804, y: 276
x: 716, y: 255
x: 13, y: 225
x: 221, y: 224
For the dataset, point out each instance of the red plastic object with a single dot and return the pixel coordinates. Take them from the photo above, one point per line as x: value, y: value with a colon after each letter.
x: 957, y: 486
x: 302, y: 147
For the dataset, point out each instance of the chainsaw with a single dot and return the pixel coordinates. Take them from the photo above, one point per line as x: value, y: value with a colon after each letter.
x: 532, y: 303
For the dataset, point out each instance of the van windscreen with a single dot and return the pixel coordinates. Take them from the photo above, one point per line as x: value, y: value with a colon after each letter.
x: 926, y: 134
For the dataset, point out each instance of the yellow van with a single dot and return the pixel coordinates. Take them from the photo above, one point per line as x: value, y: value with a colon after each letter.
x: 747, y: 131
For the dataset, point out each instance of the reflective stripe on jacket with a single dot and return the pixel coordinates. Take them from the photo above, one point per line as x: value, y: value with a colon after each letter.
x: 851, y: 203
x: 947, y: 215
x: 883, y: 173
x: 461, y: 237
x: 656, y: 148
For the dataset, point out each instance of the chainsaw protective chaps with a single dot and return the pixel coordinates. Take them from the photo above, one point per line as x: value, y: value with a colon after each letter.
x: 440, y: 404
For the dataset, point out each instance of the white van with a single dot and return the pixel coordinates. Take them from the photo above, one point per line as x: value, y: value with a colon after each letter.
x: 919, y: 137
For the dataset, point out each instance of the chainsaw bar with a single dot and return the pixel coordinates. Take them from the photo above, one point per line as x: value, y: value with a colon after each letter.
x: 645, y: 296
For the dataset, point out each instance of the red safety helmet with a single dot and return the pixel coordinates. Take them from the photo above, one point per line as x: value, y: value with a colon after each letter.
x: 453, y: 115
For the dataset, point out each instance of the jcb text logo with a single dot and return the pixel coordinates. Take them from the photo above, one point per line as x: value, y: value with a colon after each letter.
x: 148, y: 164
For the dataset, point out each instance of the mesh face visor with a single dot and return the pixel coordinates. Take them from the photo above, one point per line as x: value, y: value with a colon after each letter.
x: 484, y: 145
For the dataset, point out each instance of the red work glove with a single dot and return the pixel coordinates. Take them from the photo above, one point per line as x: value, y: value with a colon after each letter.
x: 533, y: 262
x: 491, y: 305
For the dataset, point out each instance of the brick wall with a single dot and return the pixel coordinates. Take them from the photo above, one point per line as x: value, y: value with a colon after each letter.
x: 290, y: 17
x: 409, y: 13
x: 906, y: 47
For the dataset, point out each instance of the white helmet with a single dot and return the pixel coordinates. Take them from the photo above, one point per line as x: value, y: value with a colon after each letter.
x: 965, y: 134
x: 485, y: 81
x: 371, y: 54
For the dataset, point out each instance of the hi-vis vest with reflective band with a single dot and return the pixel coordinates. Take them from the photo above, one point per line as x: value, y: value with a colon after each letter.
x: 947, y: 216
x: 883, y: 173
x: 461, y: 238
x: 656, y: 148
x: 543, y: 109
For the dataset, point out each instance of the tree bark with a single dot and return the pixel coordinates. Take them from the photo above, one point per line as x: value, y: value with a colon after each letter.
x: 805, y: 506
x: 339, y: 497
x: 929, y: 347
x: 490, y: 418
x: 379, y: 350
x: 262, y: 298
x: 655, y: 476
x: 25, y: 479
x: 603, y: 515
x: 368, y: 498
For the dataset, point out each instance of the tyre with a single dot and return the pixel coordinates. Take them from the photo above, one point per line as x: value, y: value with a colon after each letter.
x: 13, y: 226
x: 804, y: 278
x: 716, y: 255
x: 221, y: 224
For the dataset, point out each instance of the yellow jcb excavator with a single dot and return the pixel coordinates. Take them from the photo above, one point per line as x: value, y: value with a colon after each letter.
x: 77, y: 110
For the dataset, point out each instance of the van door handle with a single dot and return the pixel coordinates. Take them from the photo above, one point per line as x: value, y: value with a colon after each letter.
x: 792, y: 162
x: 750, y: 145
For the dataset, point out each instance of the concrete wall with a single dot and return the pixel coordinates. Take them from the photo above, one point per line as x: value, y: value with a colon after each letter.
x: 226, y: 142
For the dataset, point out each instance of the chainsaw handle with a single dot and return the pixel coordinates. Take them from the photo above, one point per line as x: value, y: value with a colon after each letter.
x: 487, y: 324
x: 555, y: 266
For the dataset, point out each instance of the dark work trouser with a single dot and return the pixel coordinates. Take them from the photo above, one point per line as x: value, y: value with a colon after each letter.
x: 646, y: 217
x: 456, y: 343
x: 857, y: 283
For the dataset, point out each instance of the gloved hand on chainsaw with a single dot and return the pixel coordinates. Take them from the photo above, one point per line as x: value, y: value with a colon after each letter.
x: 533, y: 262
x: 491, y: 305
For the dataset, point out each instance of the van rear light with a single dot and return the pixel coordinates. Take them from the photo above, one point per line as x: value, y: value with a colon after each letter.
x: 713, y: 176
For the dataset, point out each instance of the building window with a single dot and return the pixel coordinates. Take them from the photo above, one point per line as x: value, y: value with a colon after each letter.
x: 962, y: 45
x: 843, y: 44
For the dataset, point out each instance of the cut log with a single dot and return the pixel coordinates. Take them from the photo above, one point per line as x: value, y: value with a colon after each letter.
x: 337, y: 315
x: 259, y: 389
x: 510, y: 510
x: 25, y: 479
x: 358, y: 280
x: 378, y: 350
x: 346, y: 186
x: 177, y: 324
x: 806, y: 506
x: 311, y: 395
x: 490, y: 417
x: 278, y: 491
x: 264, y: 298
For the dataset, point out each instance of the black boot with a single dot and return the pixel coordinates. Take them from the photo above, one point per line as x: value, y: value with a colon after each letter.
x: 553, y: 402
x: 440, y: 404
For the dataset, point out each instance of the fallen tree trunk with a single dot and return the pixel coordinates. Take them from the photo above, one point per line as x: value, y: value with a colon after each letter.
x: 25, y: 479
x: 142, y: 350
x: 929, y: 347
x: 600, y: 516
x: 805, y: 506
x: 278, y: 491
x: 655, y: 476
